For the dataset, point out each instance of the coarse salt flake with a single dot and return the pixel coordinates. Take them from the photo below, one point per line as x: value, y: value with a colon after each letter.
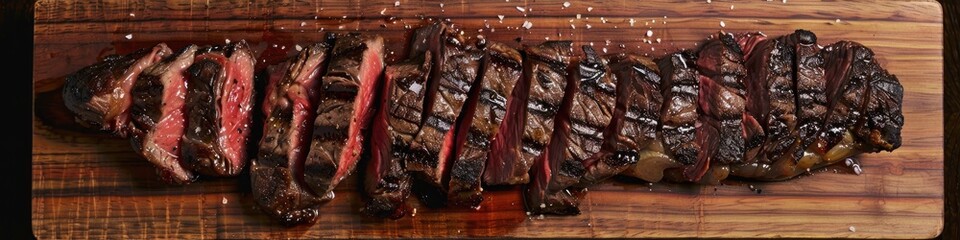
x: 588, y: 26
x: 649, y: 33
x: 226, y: 41
x: 383, y: 11
x: 658, y: 40
x: 224, y: 201
x: 566, y: 4
x: 578, y: 16
x: 527, y: 24
x: 303, y: 24
x: 500, y: 17
x: 852, y: 229
x: 632, y: 21
x: 589, y: 9
x: 396, y: 4
x: 521, y: 9
x: 298, y: 47
x: 722, y: 24
x: 129, y: 36
x: 543, y: 205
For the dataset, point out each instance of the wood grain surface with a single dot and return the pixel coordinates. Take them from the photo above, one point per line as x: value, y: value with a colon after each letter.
x: 89, y: 184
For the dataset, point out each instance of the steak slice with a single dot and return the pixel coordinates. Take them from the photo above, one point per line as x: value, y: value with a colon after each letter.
x: 487, y: 108
x: 345, y: 110
x: 433, y: 146
x: 156, y: 115
x: 638, y: 117
x: 553, y: 174
x: 504, y: 164
x: 771, y: 96
x: 386, y: 182
x: 276, y: 174
x: 594, y: 104
x: 883, y: 118
x: 219, y: 101
x: 811, y: 89
x: 544, y: 81
x: 99, y: 94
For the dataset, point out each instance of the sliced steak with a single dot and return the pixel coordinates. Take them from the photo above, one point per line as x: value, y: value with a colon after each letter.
x: 345, y: 110
x: 881, y: 125
x: 488, y: 105
x: 553, y: 175
x: 594, y: 104
x: 544, y: 81
x: 386, y: 182
x: 722, y: 102
x: 810, y: 90
x: 219, y: 104
x: 771, y: 96
x: 157, y: 115
x: 433, y: 146
x: 276, y: 174
x: 639, y: 111
x: 99, y: 94
x: 504, y: 163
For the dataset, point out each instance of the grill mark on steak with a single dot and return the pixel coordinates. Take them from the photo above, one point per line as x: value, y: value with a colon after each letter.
x: 99, y: 94
x: 488, y: 111
x: 504, y: 163
x: 810, y: 90
x: 219, y: 101
x: 593, y: 106
x: 345, y: 110
x: 157, y: 115
x: 847, y: 69
x: 276, y: 174
x: 637, y: 118
x: 772, y: 98
x: 386, y: 182
x: 430, y: 151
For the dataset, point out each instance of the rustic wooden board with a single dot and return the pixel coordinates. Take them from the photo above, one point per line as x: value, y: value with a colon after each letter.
x: 88, y: 184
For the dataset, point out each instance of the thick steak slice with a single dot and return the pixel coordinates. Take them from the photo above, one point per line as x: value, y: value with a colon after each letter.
x: 219, y: 104
x: 848, y: 68
x: 157, y: 115
x: 681, y: 89
x: 504, y: 165
x: 641, y: 100
x: 594, y: 104
x: 811, y: 89
x: 431, y: 150
x: 488, y: 110
x: 771, y: 95
x: 345, y: 110
x: 721, y: 62
x: 99, y: 94
x: 881, y: 125
x: 544, y: 81
x: 549, y: 190
x: 386, y: 182
x: 276, y: 174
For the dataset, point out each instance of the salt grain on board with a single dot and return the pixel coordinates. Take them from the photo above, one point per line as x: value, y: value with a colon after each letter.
x: 396, y: 4
x: 500, y: 17
x: 521, y: 9
x: 589, y: 9
x: 851, y: 228
x: 566, y: 4
x: 723, y: 24
x: 224, y: 201
x: 383, y: 11
x: 298, y: 47
x: 649, y: 33
x: 527, y: 24
x: 129, y: 36
x: 588, y: 26
x: 226, y: 41
x: 632, y: 22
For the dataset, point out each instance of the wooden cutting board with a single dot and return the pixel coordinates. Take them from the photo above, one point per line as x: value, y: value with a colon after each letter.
x: 89, y: 184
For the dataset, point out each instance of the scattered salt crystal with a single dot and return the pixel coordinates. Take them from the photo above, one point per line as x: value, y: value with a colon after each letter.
x: 604, y: 50
x: 133, y: 15
x: 588, y: 26
x: 708, y: 1
x: 414, y: 214
x: 500, y: 17
x: 303, y: 24
x: 521, y: 9
x: 651, y: 49
x: 572, y: 26
x: 852, y: 229
x: 649, y: 33
x: 441, y: 5
x: 129, y: 36
x: 528, y: 213
x: 283, y: 47
x: 226, y: 41
x: 540, y: 217
x: 546, y: 38
x: 566, y: 4
x: 632, y: 22
x: 589, y: 9
x: 784, y: 1
x: 224, y: 201
x: 722, y: 24
x: 606, y: 42
x: 543, y: 205
x: 658, y: 40
x: 340, y: 27
x: 396, y: 4
x: 383, y: 11
x: 527, y: 24
x: 578, y: 16
x: 731, y: 6
x: 298, y: 47
x: 838, y: 20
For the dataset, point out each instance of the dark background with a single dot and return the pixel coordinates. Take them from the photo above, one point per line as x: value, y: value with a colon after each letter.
x: 16, y: 37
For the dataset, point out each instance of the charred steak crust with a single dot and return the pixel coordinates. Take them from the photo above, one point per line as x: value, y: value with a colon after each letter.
x: 157, y: 115
x: 276, y: 173
x: 219, y: 102
x: 592, y: 138
x: 99, y: 94
x: 345, y: 110
x: 681, y: 89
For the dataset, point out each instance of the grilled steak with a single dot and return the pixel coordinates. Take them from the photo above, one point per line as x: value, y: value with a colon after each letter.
x: 549, y: 109
x: 487, y: 107
x: 504, y: 165
x: 771, y: 96
x: 810, y: 90
x: 219, y: 103
x: 397, y: 122
x: 99, y: 94
x: 156, y: 115
x: 638, y: 108
x: 433, y: 146
x: 594, y: 104
x: 345, y: 110
x: 276, y: 174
